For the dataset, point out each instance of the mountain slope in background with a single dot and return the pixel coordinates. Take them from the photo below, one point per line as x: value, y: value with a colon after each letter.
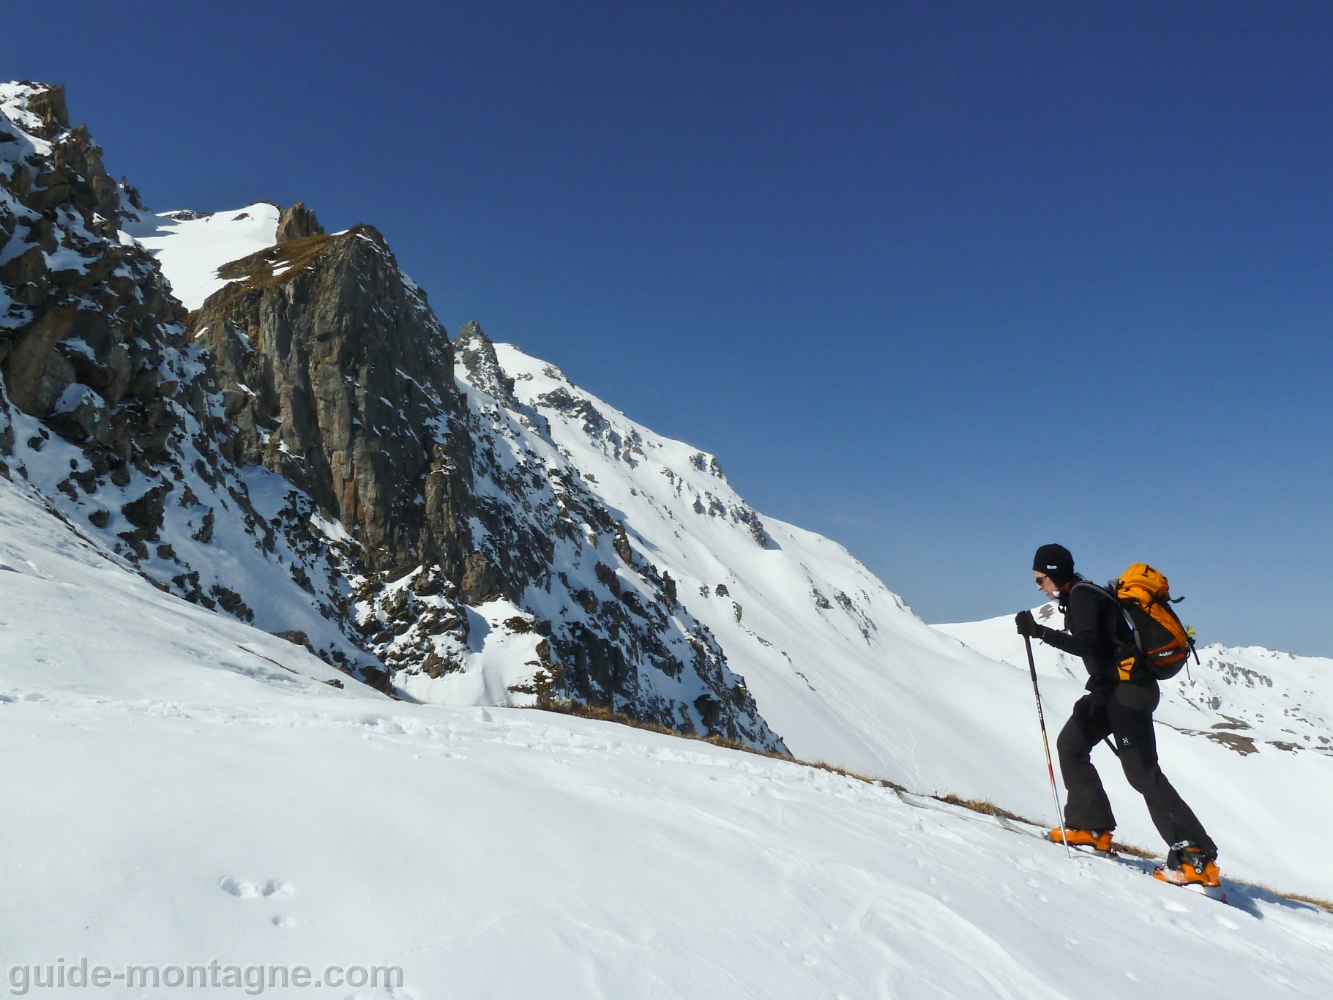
x: 1248, y: 699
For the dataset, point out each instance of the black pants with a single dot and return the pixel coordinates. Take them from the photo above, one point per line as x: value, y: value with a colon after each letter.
x: 1127, y: 717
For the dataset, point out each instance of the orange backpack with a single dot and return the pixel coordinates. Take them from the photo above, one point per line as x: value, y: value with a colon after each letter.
x: 1161, y: 643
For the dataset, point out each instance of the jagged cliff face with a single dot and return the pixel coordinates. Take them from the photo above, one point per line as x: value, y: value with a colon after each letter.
x: 338, y: 377
x: 298, y: 452
x: 86, y: 324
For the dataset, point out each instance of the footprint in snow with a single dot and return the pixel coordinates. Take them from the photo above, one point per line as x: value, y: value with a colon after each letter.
x: 272, y: 889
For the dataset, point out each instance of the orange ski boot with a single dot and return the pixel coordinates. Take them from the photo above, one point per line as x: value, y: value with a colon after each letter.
x: 1187, y: 864
x: 1100, y: 839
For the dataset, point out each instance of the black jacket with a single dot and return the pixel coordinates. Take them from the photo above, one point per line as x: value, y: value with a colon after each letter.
x: 1093, y: 622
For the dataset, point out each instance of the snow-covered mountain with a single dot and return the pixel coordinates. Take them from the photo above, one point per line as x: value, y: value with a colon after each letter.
x: 492, y: 536
x: 295, y: 451
x: 221, y: 428
x: 597, y: 523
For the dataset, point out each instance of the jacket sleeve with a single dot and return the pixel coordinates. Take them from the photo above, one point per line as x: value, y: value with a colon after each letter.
x: 1081, y: 624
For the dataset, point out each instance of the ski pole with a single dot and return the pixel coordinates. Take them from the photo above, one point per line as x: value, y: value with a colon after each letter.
x: 1050, y: 768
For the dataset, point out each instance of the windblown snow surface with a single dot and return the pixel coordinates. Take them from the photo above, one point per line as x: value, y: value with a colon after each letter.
x: 183, y: 790
x: 190, y: 788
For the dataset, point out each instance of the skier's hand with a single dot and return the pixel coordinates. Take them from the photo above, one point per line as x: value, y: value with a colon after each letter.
x: 1027, y: 625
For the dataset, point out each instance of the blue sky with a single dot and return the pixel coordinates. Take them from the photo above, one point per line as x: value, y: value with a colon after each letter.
x: 943, y: 281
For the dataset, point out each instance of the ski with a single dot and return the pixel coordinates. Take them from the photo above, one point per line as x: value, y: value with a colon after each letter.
x: 1211, y: 892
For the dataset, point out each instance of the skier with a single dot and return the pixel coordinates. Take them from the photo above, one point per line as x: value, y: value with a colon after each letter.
x: 1122, y: 709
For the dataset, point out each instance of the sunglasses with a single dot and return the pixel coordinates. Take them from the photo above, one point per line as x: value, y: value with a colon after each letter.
x: 1043, y: 579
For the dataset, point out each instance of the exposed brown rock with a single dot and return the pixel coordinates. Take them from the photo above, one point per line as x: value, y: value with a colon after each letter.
x: 297, y: 222
x: 338, y: 377
x: 297, y: 637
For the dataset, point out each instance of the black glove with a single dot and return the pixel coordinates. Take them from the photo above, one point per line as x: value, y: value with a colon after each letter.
x: 1027, y: 625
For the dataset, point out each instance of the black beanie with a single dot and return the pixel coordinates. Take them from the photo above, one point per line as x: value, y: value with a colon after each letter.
x: 1056, y: 562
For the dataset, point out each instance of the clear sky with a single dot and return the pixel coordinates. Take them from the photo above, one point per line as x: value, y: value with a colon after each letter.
x: 943, y: 281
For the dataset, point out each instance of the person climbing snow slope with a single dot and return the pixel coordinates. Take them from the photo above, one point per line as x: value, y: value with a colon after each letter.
x: 1119, y: 704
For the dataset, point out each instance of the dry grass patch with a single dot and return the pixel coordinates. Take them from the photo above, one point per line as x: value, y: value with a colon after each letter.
x: 272, y: 267
x: 257, y: 269
x: 984, y: 806
x: 835, y: 769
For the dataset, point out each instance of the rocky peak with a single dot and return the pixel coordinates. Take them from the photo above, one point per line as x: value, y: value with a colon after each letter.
x: 60, y: 165
x: 476, y: 354
x: 337, y: 376
x: 298, y: 222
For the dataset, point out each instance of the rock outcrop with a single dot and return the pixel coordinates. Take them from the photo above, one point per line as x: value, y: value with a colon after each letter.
x: 113, y: 412
x: 338, y: 377
x: 297, y: 223
x: 91, y: 341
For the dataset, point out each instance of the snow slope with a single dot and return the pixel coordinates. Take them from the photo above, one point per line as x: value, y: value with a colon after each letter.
x: 175, y: 799
x: 191, y: 248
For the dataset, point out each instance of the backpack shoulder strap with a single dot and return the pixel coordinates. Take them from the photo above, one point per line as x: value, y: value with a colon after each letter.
x: 1104, y: 591
x: 1080, y: 582
x: 1109, y: 593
